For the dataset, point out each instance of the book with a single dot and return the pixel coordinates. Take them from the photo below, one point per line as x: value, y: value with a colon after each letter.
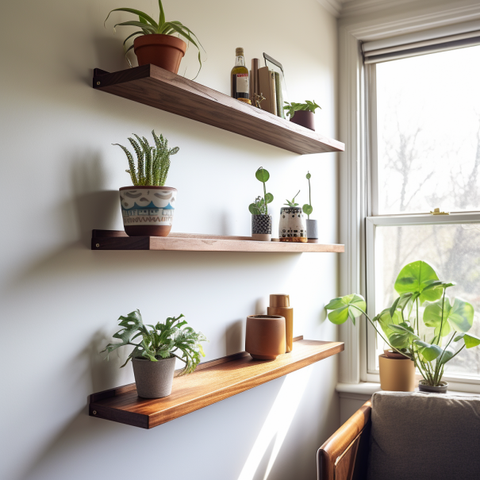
x: 266, y: 86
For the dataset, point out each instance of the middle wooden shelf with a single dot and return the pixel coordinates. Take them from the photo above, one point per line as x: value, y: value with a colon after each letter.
x: 184, y: 242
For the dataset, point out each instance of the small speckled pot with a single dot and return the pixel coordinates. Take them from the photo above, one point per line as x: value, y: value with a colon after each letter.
x: 292, y: 226
x: 262, y: 227
x: 154, y: 379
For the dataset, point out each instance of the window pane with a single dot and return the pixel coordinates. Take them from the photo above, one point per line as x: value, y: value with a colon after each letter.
x: 428, y: 134
x: 453, y: 251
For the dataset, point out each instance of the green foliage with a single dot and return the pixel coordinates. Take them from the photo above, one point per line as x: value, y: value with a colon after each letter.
x: 163, y: 340
x: 292, y: 203
x: 149, y: 26
x: 153, y: 163
x: 431, y: 340
x: 307, y: 208
x: 260, y: 205
x: 309, y: 106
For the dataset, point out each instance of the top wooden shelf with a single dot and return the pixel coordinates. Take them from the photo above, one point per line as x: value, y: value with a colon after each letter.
x: 185, y: 242
x: 154, y: 86
x: 210, y: 383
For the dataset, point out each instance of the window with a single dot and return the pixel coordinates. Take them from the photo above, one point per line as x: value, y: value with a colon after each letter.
x: 424, y: 153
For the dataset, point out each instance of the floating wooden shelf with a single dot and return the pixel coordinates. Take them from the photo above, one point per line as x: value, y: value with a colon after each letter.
x: 154, y: 86
x: 183, y: 242
x: 211, y: 382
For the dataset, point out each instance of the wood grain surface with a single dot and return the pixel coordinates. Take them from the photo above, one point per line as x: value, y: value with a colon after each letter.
x: 210, y: 383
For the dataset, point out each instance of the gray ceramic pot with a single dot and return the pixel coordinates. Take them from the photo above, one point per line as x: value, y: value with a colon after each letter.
x: 423, y: 387
x: 154, y: 379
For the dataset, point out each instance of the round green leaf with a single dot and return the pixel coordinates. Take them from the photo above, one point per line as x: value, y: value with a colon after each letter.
x: 415, y: 277
x: 307, y: 209
x: 262, y: 175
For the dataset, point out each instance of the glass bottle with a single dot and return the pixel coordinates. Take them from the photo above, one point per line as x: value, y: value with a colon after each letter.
x: 239, y: 78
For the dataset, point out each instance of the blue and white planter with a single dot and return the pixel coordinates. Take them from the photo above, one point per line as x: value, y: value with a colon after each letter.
x: 147, y: 210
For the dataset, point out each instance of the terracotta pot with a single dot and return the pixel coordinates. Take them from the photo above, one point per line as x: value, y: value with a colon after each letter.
x: 292, y: 226
x: 165, y: 51
x: 265, y: 336
x: 262, y: 227
x: 397, y: 374
x: 304, y: 118
x: 280, y: 305
x: 148, y: 211
x: 154, y: 379
x: 442, y: 388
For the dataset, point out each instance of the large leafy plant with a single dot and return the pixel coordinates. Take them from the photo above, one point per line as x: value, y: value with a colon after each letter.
x: 153, y: 162
x: 163, y: 340
x: 260, y: 205
x: 149, y: 26
x: 422, y: 323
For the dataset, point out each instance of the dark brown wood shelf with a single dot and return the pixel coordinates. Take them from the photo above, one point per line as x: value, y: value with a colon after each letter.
x: 154, y: 86
x: 210, y: 383
x: 184, y: 242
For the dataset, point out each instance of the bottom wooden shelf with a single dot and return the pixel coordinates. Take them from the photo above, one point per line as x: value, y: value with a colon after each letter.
x: 210, y: 383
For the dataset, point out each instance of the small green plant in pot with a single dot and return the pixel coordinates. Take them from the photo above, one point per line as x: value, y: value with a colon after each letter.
x: 157, y: 42
x: 302, y: 113
x: 292, y: 226
x: 422, y: 324
x: 148, y: 206
x: 261, y: 220
x: 312, y: 225
x: 155, y: 348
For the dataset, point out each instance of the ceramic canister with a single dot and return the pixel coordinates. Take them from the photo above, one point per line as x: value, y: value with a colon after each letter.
x: 280, y: 305
x: 265, y: 336
x: 292, y: 226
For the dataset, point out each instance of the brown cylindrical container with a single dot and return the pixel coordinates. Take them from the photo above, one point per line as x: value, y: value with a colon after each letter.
x: 280, y: 305
x: 265, y: 336
x: 396, y: 374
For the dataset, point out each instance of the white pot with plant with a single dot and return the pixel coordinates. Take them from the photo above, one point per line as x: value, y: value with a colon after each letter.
x: 261, y: 220
x: 312, y: 225
x: 154, y: 353
x: 302, y: 113
x: 422, y: 324
x: 158, y: 42
x: 292, y: 225
x: 148, y: 206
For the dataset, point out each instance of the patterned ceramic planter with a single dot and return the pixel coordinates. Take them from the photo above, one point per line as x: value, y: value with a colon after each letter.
x: 262, y: 227
x: 148, y: 211
x: 154, y: 379
x: 292, y: 226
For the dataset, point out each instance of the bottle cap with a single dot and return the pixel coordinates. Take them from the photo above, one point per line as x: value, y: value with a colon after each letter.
x: 279, y: 300
x: 239, y: 51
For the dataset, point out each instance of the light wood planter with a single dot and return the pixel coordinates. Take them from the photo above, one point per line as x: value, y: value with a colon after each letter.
x: 210, y: 383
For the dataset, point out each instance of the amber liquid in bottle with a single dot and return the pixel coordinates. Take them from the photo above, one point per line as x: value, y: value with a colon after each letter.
x: 239, y: 78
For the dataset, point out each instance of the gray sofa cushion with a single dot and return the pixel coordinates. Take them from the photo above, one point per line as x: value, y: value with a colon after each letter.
x: 424, y: 436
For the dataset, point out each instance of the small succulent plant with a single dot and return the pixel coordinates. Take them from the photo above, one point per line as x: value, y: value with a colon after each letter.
x: 309, y: 106
x: 292, y: 203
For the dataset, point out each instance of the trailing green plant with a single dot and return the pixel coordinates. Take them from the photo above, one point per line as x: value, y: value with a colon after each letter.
x: 163, y: 340
x: 149, y: 26
x: 307, y: 208
x: 260, y: 205
x: 292, y: 203
x: 309, y: 106
x: 422, y: 323
x: 153, y: 162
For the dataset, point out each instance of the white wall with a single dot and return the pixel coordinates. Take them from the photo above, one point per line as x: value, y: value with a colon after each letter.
x: 60, y: 300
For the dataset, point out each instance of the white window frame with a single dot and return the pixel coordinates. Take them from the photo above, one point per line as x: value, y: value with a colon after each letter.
x: 355, y: 174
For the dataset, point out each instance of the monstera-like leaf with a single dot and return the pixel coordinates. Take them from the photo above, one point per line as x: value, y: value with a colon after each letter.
x: 343, y: 308
x: 419, y: 278
x: 457, y: 317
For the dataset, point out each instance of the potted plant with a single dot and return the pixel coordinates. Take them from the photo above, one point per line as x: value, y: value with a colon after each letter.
x: 302, y: 113
x: 261, y: 220
x: 156, y: 41
x: 155, y: 349
x: 312, y: 225
x: 292, y: 225
x: 148, y: 206
x: 422, y: 324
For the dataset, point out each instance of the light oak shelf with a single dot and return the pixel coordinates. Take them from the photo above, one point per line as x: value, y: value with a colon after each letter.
x: 210, y: 383
x: 154, y: 86
x: 184, y: 242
